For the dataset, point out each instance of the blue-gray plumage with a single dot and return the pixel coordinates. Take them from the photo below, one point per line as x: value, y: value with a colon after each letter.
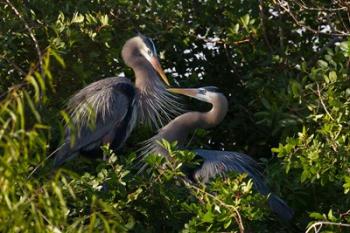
x: 107, y: 110
x: 218, y: 162
x: 214, y: 162
x: 97, y: 118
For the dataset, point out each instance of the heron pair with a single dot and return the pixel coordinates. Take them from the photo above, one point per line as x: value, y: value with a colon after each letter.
x: 107, y: 110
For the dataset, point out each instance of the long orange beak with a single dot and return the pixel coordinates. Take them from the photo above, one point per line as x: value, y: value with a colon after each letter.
x: 192, y: 92
x: 155, y: 63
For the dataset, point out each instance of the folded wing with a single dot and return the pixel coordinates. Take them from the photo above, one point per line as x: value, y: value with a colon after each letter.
x: 102, y: 112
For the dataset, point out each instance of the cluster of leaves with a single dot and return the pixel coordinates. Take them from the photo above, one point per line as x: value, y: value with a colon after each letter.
x: 111, y: 198
x: 284, y: 66
x: 319, y: 153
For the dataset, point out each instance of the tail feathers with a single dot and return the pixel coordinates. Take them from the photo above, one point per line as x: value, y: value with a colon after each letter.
x: 279, y: 207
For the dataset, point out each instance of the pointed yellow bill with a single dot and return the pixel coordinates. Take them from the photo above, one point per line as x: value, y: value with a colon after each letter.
x: 155, y: 63
x: 192, y: 92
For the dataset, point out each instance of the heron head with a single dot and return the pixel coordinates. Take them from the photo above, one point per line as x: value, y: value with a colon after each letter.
x: 203, y: 93
x: 142, y: 46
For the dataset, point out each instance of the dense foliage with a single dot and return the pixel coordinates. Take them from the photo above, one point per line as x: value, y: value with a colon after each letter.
x: 284, y: 66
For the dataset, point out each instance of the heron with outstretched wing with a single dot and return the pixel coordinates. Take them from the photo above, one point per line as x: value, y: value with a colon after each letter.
x: 214, y: 162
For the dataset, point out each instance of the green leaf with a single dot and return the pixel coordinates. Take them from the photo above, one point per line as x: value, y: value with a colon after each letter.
x: 34, y: 83
x: 304, y: 176
x: 245, y: 20
x: 331, y: 216
x: 228, y: 223
x: 266, y: 103
x: 316, y: 215
x: 332, y: 76
x: 58, y: 58
x: 104, y: 20
x: 322, y: 64
x: 32, y: 107
x: 346, y: 184
x: 134, y: 196
x: 77, y: 18
x: 345, y: 47
x: 234, y: 29
x: 296, y: 88
x: 208, y: 217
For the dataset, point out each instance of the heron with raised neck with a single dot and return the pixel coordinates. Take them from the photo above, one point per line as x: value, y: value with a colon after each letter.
x: 106, y: 111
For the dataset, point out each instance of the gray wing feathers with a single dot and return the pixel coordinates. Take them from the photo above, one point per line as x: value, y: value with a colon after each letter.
x: 98, y: 101
x: 94, y: 111
x: 280, y: 207
x: 219, y: 162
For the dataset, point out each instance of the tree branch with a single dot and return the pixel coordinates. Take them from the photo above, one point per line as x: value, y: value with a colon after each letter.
x: 263, y: 24
x: 318, y: 92
x: 317, y: 226
x: 31, y: 34
x: 302, y: 5
x: 285, y: 6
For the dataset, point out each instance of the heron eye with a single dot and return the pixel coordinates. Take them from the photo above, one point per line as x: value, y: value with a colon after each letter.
x: 149, y: 52
x: 202, y: 91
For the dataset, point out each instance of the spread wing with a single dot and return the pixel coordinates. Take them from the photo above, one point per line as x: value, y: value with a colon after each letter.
x: 219, y: 162
x: 99, y: 112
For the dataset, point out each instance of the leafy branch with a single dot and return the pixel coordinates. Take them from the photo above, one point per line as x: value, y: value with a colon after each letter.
x: 287, y: 8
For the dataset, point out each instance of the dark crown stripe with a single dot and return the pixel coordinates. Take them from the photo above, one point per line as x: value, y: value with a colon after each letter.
x: 149, y: 43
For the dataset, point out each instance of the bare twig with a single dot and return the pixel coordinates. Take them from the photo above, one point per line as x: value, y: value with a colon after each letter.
x: 347, y: 213
x: 237, y: 215
x: 241, y: 41
x: 342, y: 21
x: 263, y: 24
x: 15, y: 66
x: 14, y: 87
x: 31, y: 34
x: 318, y: 92
x: 285, y: 6
x: 32, y: 69
x: 281, y: 35
x: 222, y: 41
x: 302, y: 5
x: 317, y: 226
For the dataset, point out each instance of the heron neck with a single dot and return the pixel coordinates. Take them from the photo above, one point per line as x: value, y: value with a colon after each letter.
x: 155, y: 104
x: 179, y: 128
x: 216, y: 115
x: 145, y: 76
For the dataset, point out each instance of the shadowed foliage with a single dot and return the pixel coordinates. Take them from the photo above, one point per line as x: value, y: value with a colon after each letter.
x: 283, y: 65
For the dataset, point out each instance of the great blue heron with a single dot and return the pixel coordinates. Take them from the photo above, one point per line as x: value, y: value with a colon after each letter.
x: 215, y: 162
x: 106, y: 111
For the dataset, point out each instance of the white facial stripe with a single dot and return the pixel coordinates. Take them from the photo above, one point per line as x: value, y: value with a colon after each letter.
x: 143, y: 51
